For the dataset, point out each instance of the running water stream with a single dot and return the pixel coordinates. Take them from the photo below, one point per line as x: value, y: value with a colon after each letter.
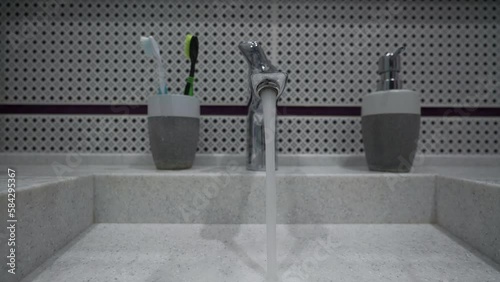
x: 269, y: 103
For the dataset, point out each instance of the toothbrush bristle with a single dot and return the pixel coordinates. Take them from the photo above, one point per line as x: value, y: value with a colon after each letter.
x: 187, y: 45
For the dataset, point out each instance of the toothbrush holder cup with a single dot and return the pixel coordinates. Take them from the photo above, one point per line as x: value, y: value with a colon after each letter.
x: 174, y: 128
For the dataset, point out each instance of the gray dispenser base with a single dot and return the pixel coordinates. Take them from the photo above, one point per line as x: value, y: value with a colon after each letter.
x: 390, y: 141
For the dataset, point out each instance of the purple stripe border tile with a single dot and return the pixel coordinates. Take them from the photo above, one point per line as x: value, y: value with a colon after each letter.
x: 233, y: 110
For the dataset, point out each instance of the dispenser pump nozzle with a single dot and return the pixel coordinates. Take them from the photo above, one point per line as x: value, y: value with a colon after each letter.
x: 389, y: 67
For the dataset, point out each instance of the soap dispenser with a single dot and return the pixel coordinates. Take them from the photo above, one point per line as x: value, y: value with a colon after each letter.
x: 390, y: 119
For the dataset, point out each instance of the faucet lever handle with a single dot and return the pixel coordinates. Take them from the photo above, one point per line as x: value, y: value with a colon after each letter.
x: 400, y: 50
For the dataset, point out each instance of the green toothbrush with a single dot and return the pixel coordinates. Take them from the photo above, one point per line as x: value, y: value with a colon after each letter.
x: 191, y: 52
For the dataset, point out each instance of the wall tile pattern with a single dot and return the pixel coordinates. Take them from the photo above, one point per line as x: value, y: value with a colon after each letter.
x: 227, y: 134
x: 88, y: 52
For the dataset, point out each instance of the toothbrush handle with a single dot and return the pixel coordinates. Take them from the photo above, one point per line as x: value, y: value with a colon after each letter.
x: 189, y: 89
x: 161, y: 76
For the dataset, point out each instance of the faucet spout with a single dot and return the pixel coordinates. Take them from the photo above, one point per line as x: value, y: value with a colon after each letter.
x: 263, y: 76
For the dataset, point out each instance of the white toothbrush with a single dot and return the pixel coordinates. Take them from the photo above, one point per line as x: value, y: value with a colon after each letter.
x: 151, y: 49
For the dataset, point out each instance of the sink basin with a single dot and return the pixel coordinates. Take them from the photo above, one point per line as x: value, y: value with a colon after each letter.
x: 209, y: 226
x: 231, y: 252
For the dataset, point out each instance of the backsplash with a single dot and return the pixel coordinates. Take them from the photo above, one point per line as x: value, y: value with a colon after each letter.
x: 74, y: 52
x: 68, y: 51
x: 224, y: 134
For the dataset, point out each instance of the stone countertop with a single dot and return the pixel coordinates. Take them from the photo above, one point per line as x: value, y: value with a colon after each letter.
x: 38, y: 169
x: 416, y: 252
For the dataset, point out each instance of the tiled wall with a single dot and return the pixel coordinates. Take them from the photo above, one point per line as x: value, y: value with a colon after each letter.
x: 68, y: 52
x: 226, y: 134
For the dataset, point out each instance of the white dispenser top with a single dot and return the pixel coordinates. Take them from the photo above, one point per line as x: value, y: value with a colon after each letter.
x: 172, y: 105
x: 397, y: 101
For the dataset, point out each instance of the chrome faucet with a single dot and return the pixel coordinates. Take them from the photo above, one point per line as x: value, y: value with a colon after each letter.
x: 263, y: 76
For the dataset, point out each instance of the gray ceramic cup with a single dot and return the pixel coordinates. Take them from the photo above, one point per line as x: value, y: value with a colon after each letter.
x: 174, y: 128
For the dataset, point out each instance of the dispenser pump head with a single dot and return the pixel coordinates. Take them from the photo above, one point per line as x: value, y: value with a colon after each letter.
x: 389, y: 67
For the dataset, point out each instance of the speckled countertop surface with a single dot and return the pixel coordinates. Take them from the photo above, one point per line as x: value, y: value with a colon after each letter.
x: 44, y: 169
x: 236, y: 252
